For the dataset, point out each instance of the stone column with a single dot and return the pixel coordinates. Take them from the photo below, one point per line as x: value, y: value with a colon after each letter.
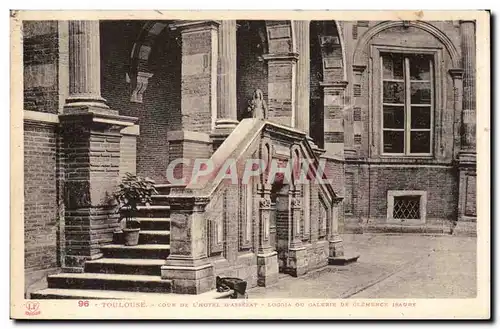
x: 466, y: 223
x: 303, y: 75
x: 198, y: 90
x: 91, y: 139
x: 334, y: 95
x: 467, y: 29
x: 226, y: 82
x: 297, y: 252
x: 457, y: 75
x: 281, y: 88
x: 267, y: 257
x: 84, y: 66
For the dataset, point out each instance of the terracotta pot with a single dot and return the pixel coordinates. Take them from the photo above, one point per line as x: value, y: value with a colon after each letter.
x: 131, y: 236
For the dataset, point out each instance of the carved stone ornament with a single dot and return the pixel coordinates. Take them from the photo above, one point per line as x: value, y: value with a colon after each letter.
x: 265, y: 203
x: 296, y: 203
x: 257, y: 107
x: 142, y: 80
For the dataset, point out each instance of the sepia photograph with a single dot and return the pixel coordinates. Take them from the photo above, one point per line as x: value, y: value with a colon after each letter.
x: 297, y: 163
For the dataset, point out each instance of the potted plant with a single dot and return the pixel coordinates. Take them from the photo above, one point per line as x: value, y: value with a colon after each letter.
x: 132, y: 191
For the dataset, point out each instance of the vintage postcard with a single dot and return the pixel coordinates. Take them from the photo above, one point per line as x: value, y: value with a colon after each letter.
x: 250, y: 165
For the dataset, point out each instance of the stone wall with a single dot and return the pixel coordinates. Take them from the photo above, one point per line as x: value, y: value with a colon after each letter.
x: 42, y: 213
x: 40, y: 58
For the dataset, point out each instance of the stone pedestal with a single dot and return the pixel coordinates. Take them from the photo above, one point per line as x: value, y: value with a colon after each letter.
x: 187, y: 146
x: 187, y: 265
x: 335, y: 246
x: 267, y: 269
x: 92, y: 162
x: 297, y: 261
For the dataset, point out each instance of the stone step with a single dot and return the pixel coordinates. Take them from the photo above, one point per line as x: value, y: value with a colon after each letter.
x: 166, y: 188
x: 104, y: 281
x: 125, y: 266
x: 154, y: 237
x: 142, y: 251
x: 160, y: 199
x: 154, y: 223
x: 152, y: 211
x: 347, y: 258
x: 54, y: 293
x: 397, y: 228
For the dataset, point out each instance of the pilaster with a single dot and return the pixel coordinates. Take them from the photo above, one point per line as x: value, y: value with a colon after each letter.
x: 301, y: 29
x: 334, y: 103
x: 267, y: 257
x: 281, y: 87
x: 198, y: 74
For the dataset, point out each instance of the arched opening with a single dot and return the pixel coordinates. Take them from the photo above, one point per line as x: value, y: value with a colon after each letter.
x: 251, y: 45
x: 142, y: 78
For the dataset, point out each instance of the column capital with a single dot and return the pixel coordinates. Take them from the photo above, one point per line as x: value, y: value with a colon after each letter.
x: 359, y: 68
x: 281, y: 57
x: 334, y: 85
x: 456, y: 73
x: 191, y: 26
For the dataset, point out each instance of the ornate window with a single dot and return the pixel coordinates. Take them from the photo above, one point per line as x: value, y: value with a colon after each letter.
x: 407, y: 101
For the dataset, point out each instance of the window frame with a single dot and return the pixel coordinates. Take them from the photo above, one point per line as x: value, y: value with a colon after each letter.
x: 391, y: 194
x: 376, y: 98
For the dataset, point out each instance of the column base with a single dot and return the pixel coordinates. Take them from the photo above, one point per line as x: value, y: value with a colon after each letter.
x: 267, y: 269
x: 80, y: 104
x: 349, y: 153
x: 337, y: 256
x: 467, y: 157
x: 336, y: 247
x: 466, y: 227
x: 189, y: 279
x: 297, y: 263
x: 223, y: 128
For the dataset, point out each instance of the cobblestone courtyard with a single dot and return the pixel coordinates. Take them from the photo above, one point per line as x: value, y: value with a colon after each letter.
x: 390, y: 266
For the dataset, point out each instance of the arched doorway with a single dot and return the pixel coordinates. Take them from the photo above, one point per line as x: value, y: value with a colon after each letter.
x: 142, y: 78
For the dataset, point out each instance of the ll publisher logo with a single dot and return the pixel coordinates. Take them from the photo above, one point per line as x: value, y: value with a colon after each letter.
x: 32, y: 308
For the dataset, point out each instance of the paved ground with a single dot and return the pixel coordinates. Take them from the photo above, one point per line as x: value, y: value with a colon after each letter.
x: 390, y: 266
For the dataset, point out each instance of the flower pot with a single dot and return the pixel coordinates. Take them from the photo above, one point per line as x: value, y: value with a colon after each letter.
x: 131, y: 236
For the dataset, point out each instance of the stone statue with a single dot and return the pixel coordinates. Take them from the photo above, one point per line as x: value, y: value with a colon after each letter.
x: 257, y: 105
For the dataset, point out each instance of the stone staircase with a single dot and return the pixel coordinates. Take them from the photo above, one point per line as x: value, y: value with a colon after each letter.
x: 123, y: 271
